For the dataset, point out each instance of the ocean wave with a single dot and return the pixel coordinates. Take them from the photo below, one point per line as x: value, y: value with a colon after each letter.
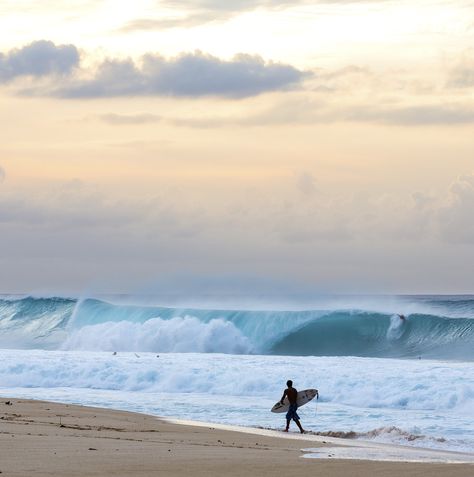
x: 92, y: 324
x: 388, y: 434
x: 380, y: 434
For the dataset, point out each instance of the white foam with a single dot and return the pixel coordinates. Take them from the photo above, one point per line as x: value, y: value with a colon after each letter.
x: 385, y: 400
x: 186, y: 334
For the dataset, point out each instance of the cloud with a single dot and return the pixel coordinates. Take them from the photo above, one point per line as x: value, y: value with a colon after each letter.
x: 78, y: 206
x: 123, y: 119
x: 305, y: 110
x: 40, y: 58
x: 455, y: 217
x: 192, y: 13
x: 462, y: 76
x: 72, y: 204
x: 187, y: 75
x: 197, y: 12
x: 143, y: 24
x: 61, y: 233
x: 331, y: 96
x: 423, y: 115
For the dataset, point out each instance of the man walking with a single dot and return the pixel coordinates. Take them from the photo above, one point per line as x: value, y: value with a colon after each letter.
x: 291, y: 393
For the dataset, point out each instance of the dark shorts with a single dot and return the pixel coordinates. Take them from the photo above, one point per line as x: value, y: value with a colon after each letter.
x: 292, y: 414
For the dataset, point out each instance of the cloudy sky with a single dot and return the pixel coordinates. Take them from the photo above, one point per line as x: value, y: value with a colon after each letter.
x: 264, y: 145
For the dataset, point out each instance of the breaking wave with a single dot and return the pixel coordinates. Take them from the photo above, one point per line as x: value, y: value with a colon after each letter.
x: 176, y: 335
x: 442, y: 329
x: 382, y: 434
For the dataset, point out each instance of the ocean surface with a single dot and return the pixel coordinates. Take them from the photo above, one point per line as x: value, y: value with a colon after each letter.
x: 381, y: 377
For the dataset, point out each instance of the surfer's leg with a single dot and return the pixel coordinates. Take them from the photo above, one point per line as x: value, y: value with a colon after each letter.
x: 299, y: 425
x: 289, y: 416
x: 296, y: 418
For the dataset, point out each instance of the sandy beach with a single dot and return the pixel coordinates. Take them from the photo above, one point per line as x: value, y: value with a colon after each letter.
x: 48, y: 439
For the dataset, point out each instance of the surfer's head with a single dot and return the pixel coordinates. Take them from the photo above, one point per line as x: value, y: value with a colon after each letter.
x: 289, y: 383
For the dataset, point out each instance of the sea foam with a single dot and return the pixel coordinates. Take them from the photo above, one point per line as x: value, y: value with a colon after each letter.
x: 428, y: 403
x: 186, y: 334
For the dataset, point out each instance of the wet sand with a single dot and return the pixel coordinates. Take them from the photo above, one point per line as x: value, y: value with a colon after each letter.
x: 47, y: 439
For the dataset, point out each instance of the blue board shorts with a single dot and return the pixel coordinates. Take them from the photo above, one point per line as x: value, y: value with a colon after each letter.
x: 292, y: 414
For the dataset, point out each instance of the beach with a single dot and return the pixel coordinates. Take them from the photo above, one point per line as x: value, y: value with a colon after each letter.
x: 48, y: 439
x: 228, y: 368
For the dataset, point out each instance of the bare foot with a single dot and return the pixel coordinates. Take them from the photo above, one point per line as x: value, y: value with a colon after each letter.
x: 286, y: 430
x: 302, y: 431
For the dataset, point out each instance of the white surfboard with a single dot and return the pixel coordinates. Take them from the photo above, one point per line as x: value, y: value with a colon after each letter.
x: 303, y: 397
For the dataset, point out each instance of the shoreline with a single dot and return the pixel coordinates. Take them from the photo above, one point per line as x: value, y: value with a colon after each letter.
x: 46, y: 438
x: 353, y: 449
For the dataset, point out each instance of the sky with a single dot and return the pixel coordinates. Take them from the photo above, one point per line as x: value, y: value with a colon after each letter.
x: 259, y: 147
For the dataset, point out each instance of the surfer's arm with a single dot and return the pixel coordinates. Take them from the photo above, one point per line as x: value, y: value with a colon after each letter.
x: 283, y: 397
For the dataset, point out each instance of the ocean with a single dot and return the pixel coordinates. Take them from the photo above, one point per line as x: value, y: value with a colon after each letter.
x: 408, y: 381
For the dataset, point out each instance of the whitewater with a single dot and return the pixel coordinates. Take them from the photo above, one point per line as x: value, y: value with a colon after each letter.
x: 406, y: 381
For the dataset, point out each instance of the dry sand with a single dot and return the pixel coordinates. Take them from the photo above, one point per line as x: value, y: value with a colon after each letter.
x: 47, y: 439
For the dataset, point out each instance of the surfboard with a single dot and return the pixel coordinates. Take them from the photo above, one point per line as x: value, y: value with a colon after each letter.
x: 303, y: 398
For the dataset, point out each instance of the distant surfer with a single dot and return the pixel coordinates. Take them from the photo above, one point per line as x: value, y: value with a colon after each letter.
x: 402, y: 317
x: 291, y: 393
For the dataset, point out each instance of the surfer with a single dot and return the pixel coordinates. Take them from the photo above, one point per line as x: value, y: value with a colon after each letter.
x: 402, y: 317
x: 291, y: 393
